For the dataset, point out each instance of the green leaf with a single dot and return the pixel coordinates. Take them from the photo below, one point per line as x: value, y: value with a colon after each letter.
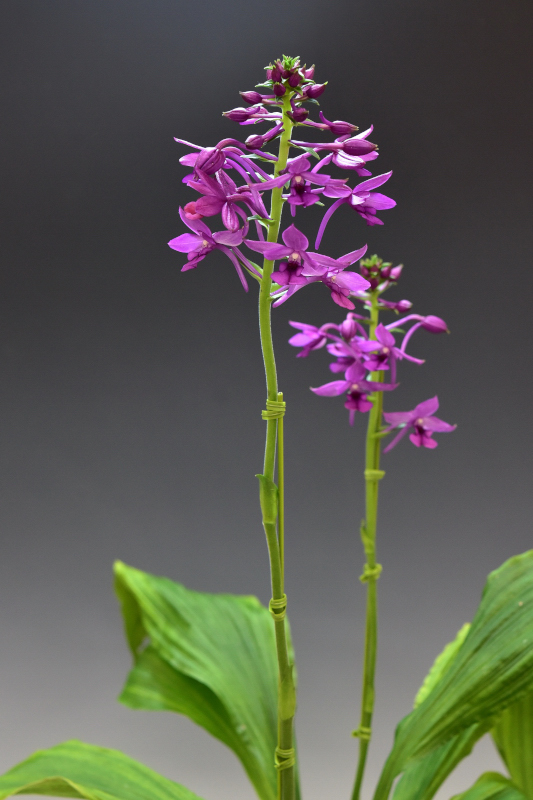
x: 76, y: 769
x: 513, y: 735
x: 491, y: 786
x: 211, y: 657
x: 493, y: 668
x: 424, y: 776
x: 441, y: 665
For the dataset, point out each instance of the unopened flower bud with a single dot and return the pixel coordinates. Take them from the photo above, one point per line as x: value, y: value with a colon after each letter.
x: 403, y: 306
x: 298, y: 114
x: 396, y: 272
x: 434, y: 324
x: 251, y: 97
x: 279, y: 89
x: 348, y: 328
x: 338, y: 126
x: 210, y: 160
x: 314, y: 90
x: 385, y: 272
x: 191, y: 212
x: 365, y: 272
x: 308, y: 73
x: 294, y: 79
x: 358, y: 147
x: 276, y: 73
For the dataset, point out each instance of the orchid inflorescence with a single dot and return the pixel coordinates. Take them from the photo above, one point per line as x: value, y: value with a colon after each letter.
x: 303, y: 185
x: 356, y: 355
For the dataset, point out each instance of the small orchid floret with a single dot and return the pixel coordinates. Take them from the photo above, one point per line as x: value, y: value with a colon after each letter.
x: 361, y: 199
x: 202, y: 241
x: 421, y: 422
x: 309, y: 338
x: 357, y: 388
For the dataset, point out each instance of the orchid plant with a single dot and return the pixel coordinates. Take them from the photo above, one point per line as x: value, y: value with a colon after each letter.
x: 226, y: 661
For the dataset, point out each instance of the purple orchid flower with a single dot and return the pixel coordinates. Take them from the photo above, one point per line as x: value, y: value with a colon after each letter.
x: 300, y: 175
x: 298, y: 260
x: 357, y: 388
x: 201, y: 242
x: 221, y: 197
x: 361, y: 198
x: 345, y: 161
x: 382, y: 352
x: 310, y: 337
x: 422, y: 423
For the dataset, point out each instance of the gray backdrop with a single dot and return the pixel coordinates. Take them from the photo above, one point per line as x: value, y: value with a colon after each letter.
x: 130, y: 393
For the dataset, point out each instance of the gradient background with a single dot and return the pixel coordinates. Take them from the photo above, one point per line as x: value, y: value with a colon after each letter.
x: 130, y: 394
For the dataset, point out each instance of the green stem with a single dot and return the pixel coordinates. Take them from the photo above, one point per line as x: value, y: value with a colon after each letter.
x: 286, y: 694
x: 371, y: 573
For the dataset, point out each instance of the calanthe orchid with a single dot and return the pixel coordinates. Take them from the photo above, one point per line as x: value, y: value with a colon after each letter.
x: 420, y: 421
x: 202, y: 241
x: 361, y: 198
x: 227, y: 661
x: 356, y: 386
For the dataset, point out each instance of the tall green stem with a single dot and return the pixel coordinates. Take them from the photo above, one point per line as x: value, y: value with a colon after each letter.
x: 286, y: 693
x: 372, y: 569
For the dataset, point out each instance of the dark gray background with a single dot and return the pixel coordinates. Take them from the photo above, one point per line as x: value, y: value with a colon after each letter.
x: 130, y: 393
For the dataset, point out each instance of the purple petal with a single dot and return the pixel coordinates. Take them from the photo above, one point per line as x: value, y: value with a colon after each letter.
x: 397, y: 438
x: 436, y: 424
x: 332, y: 389
x: 355, y: 255
x: 327, y: 216
x: 352, y: 281
x: 228, y: 238
x: 373, y: 183
x: 186, y: 243
x: 355, y: 372
x: 427, y: 408
x: 294, y: 239
x: 271, y: 250
x: 209, y: 206
x: 195, y: 225
x: 395, y: 418
x: 384, y: 336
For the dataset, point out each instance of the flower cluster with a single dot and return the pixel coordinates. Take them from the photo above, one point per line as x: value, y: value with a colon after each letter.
x: 217, y: 171
x: 366, y: 351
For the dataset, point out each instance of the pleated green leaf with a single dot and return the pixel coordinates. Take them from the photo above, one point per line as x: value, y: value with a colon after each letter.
x: 424, y: 776
x: 491, y: 786
x: 441, y: 665
x: 76, y: 769
x: 513, y: 735
x: 493, y: 668
x: 211, y: 657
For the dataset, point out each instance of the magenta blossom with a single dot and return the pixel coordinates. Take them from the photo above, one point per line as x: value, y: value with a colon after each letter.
x: 382, y: 351
x: 361, y: 199
x: 420, y: 421
x: 201, y: 242
x: 220, y: 196
x: 310, y: 337
x: 357, y: 388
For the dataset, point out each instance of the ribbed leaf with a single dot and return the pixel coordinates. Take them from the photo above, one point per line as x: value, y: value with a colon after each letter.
x: 491, y: 786
x: 423, y: 778
x: 513, y: 735
x: 76, y: 769
x: 492, y: 669
x: 441, y: 665
x: 211, y: 657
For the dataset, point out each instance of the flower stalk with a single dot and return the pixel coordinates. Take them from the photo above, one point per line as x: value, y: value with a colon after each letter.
x: 372, y: 569
x: 285, y: 757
